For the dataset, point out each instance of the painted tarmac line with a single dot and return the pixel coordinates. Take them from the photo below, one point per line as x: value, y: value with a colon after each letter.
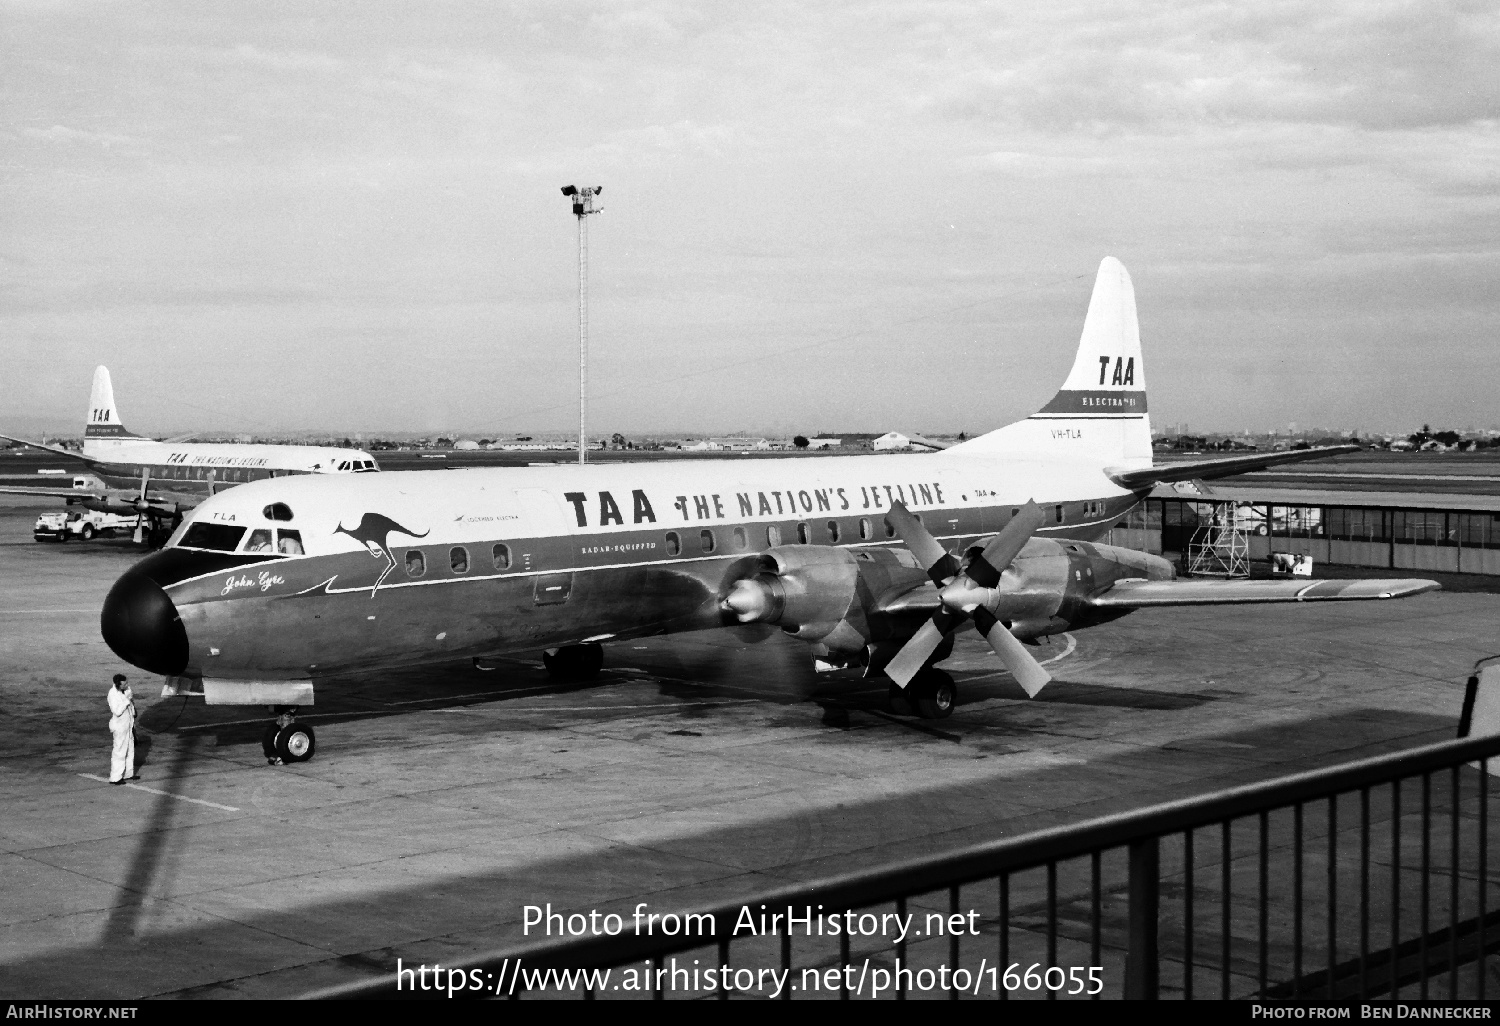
x: 1072, y: 644
x: 165, y: 794
x: 17, y: 612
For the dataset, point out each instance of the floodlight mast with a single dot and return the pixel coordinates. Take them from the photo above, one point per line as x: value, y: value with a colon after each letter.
x: 583, y: 206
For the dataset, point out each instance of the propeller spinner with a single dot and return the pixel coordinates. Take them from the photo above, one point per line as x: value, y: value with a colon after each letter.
x: 967, y: 592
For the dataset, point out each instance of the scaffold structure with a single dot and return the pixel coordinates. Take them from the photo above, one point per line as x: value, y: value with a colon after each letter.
x: 1220, y: 547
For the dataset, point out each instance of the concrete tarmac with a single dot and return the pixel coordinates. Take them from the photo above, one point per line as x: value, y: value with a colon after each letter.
x: 697, y: 769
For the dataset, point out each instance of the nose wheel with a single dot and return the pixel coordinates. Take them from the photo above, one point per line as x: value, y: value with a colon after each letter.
x: 286, y: 741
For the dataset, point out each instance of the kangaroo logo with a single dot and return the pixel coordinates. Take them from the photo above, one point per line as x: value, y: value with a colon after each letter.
x: 373, y: 533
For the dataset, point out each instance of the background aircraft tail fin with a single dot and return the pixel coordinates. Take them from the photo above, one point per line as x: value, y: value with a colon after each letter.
x: 1100, y: 411
x: 103, y: 419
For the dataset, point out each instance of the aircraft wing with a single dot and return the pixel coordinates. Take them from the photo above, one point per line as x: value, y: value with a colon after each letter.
x: 61, y: 493
x: 1209, y: 469
x: 50, y: 448
x: 1139, y: 594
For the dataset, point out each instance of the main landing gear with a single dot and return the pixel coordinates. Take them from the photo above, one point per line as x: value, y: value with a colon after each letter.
x: 286, y: 741
x: 932, y: 695
x: 574, y: 662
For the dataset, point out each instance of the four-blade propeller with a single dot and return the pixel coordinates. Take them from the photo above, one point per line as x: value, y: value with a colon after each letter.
x: 967, y: 592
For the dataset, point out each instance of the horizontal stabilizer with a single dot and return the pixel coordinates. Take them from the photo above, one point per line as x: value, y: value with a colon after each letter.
x: 59, y: 493
x: 1138, y: 594
x: 1209, y: 469
x: 49, y: 448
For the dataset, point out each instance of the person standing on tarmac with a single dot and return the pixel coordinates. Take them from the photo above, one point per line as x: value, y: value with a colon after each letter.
x: 122, y: 726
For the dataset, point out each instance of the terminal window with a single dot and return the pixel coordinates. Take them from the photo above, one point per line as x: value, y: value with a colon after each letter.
x: 1479, y: 530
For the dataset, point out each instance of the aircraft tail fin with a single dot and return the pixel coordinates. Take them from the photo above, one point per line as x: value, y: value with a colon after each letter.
x: 1100, y: 411
x: 103, y: 421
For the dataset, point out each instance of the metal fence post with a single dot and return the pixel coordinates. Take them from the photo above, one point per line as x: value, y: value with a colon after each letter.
x: 1145, y: 900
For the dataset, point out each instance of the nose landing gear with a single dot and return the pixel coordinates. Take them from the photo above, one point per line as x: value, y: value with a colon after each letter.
x: 286, y: 741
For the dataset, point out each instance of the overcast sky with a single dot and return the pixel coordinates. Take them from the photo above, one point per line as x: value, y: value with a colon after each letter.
x: 817, y: 217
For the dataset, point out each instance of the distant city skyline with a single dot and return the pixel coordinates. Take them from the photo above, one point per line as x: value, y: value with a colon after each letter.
x: 268, y: 219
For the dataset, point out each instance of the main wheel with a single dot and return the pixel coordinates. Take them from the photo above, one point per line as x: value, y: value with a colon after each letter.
x: 87, y: 534
x: 296, y: 743
x: 898, y: 700
x: 574, y: 662
x: 933, y: 694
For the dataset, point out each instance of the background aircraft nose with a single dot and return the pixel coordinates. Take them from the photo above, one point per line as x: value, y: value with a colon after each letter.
x: 141, y: 625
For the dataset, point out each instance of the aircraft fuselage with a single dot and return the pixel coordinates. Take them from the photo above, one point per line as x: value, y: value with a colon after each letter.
x: 407, y: 568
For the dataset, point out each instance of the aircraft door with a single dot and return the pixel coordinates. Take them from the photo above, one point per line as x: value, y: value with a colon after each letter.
x: 547, y: 545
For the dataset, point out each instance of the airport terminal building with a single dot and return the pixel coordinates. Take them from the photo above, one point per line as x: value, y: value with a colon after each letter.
x: 1404, y: 530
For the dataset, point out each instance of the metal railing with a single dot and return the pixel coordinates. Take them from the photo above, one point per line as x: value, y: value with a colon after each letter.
x: 1209, y: 896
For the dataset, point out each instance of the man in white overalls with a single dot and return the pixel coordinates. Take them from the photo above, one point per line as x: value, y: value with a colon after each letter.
x: 122, y: 726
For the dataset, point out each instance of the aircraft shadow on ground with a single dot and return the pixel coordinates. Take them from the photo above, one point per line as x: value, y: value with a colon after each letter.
x: 772, y: 849
x: 774, y: 671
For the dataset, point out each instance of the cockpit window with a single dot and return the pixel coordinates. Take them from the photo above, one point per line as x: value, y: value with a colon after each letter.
x: 277, y: 511
x: 260, y: 541
x: 219, y: 537
x: 289, y: 543
x: 343, y: 464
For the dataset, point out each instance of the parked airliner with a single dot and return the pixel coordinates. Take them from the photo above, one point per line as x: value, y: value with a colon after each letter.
x: 158, y: 481
x: 871, y: 560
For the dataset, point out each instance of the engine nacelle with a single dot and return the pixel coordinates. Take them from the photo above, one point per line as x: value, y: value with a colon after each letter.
x: 818, y: 593
x: 1047, y: 588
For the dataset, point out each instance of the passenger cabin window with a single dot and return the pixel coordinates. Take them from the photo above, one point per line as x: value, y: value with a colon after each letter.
x: 219, y: 537
x: 260, y: 540
x: 866, y: 532
x: 674, y: 543
x: 738, y: 539
x: 833, y: 530
x: 458, y: 559
x: 773, y: 536
x: 416, y: 564
x: 890, y: 528
x: 277, y: 511
x: 500, y: 556
x: 289, y: 543
x: 803, y: 536
x: 1059, y: 514
x: 707, y: 540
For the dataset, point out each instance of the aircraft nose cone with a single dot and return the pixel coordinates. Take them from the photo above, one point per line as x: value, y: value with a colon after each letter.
x: 141, y: 625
